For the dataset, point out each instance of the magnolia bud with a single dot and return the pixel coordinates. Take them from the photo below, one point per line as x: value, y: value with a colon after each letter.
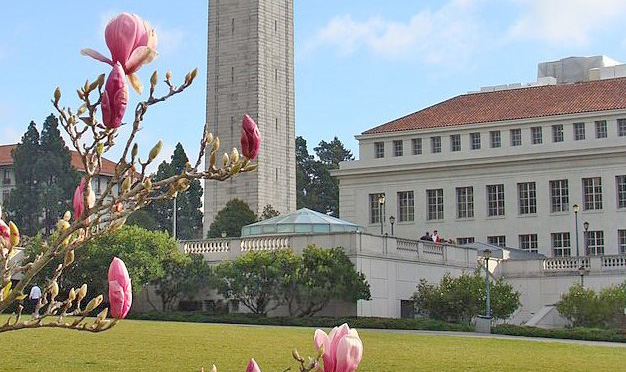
x: 134, y: 151
x: 214, y: 369
x: 100, y: 148
x: 103, y: 324
x: 126, y: 184
x: 82, y: 292
x: 100, y: 80
x: 118, y: 207
x: 14, y: 234
x: 147, y: 183
x: 296, y: 355
x: 192, y: 75
x: 95, y: 302
x: 216, y: 144
x: 57, y: 95
x: 69, y: 258
x: 71, y: 296
x: 234, y: 155
x: 62, y: 225
x: 154, y: 79
x: 54, y: 290
x: 67, y: 215
x: 81, y: 109
x: 155, y: 151
x: 209, y: 137
x: 168, y: 75
x: 102, y: 315
x: 117, y: 224
x: 225, y: 159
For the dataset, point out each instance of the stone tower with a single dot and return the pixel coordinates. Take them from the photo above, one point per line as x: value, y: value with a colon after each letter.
x: 250, y: 70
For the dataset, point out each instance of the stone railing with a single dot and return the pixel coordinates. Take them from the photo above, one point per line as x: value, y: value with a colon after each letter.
x: 266, y: 243
x: 613, y: 262
x: 407, y: 245
x: 433, y: 248
x: 565, y: 263
x: 206, y: 246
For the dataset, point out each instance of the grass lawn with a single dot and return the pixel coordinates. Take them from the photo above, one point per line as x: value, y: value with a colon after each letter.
x: 168, y: 346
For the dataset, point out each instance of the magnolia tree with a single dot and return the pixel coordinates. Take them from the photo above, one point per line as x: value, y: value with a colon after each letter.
x: 93, y: 131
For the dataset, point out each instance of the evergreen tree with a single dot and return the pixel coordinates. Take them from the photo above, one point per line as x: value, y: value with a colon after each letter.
x: 24, y: 206
x: 56, y: 177
x: 235, y: 215
x: 188, y: 213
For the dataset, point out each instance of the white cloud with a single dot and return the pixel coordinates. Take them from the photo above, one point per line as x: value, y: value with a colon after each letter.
x: 449, y: 33
x: 570, y: 22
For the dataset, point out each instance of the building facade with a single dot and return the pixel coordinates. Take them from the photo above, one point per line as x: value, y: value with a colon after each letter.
x: 523, y: 167
x: 250, y: 70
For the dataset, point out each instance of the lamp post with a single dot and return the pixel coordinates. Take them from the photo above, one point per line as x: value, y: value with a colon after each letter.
x: 586, y: 237
x: 174, y: 220
x: 392, y: 220
x: 381, y: 205
x: 582, y: 271
x: 576, y: 208
x: 486, y: 255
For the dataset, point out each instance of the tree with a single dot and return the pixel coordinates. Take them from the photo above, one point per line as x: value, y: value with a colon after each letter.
x: 188, y: 203
x: 316, y: 188
x: 185, y: 275
x: 143, y: 219
x: 24, y: 205
x: 462, y: 298
x: 269, y: 212
x: 323, y: 275
x: 235, y: 215
x: 56, y: 177
x: 256, y: 279
x: 586, y: 308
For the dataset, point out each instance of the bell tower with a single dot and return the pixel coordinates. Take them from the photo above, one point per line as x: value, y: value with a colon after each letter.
x: 250, y: 70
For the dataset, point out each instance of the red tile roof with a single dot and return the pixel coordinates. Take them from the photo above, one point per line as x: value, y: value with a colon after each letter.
x: 522, y: 103
x: 108, y: 167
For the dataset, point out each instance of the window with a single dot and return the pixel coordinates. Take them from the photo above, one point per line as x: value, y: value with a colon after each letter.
x: 416, y: 144
x: 527, y: 196
x: 398, y: 149
x: 379, y: 150
x: 601, y: 131
x: 495, y: 139
x: 435, y: 144
x: 7, y: 177
x: 621, y: 127
x: 98, y: 184
x: 455, y: 142
x: 595, y: 243
x: 5, y: 195
x: 376, y: 209
x: 406, y: 206
x: 559, y: 196
x: 536, y: 136
x: 465, y: 202
x: 561, y: 245
x: 528, y: 242
x: 466, y: 240
x: 435, y: 204
x: 475, y: 141
x: 579, y: 131
x: 592, y: 193
x: 620, y: 186
x: 621, y: 241
x: 557, y: 133
x: 495, y: 200
x: 499, y: 240
x: 516, y: 137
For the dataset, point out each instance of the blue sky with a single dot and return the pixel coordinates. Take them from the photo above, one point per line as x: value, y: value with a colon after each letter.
x: 359, y: 63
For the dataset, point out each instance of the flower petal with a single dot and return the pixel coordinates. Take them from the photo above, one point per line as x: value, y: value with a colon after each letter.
x: 349, y: 353
x: 96, y: 55
x: 140, y: 56
x: 135, y: 83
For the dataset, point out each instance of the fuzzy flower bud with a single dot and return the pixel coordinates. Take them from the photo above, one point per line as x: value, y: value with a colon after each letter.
x: 95, y: 302
x: 14, y: 233
x: 67, y: 216
x: 225, y: 159
x: 57, y: 95
x: 114, y: 98
x: 69, y: 258
x: 234, y: 155
x: 71, y: 296
x: 155, y: 151
x: 250, y: 137
x: 102, y: 315
x: 54, y: 290
x: 134, y: 151
x: 82, y: 292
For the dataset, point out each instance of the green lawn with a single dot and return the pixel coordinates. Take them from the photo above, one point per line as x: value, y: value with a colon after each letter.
x: 169, y: 346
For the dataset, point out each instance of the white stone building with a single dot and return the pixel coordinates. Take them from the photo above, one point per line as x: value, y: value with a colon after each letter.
x: 250, y: 70
x: 506, y: 165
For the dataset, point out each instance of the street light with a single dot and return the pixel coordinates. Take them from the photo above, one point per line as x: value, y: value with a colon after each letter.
x: 576, y: 209
x: 586, y: 227
x: 486, y: 255
x: 392, y: 220
x: 381, y: 205
x: 582, y: 271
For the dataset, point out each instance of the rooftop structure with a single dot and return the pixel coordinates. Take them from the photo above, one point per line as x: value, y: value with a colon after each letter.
x: 302, y: 221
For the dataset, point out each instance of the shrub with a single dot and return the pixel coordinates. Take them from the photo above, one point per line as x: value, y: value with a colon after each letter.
x: 588, y: 334
x: 586, y: 308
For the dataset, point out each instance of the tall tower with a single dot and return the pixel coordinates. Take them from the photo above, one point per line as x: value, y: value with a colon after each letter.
x: 250, y: 70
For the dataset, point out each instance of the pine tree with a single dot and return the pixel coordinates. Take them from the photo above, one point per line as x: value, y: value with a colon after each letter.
x: 24, y: 206
x: 235, y: 215
x: 56, y: 177
x: 188, y: 213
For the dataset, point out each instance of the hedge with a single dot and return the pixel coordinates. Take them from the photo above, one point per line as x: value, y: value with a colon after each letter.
x: 322, y: 322
x: 587, y: 334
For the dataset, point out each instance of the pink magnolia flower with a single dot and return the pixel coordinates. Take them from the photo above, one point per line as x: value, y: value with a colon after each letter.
x: 250, y: 137
x: 114, y: 98
x: 252, y: 366
x: 79, y: 198
x: 120, y: 292
x: 5, y: 232
x: 343, y: 348
x: 132, y: 42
